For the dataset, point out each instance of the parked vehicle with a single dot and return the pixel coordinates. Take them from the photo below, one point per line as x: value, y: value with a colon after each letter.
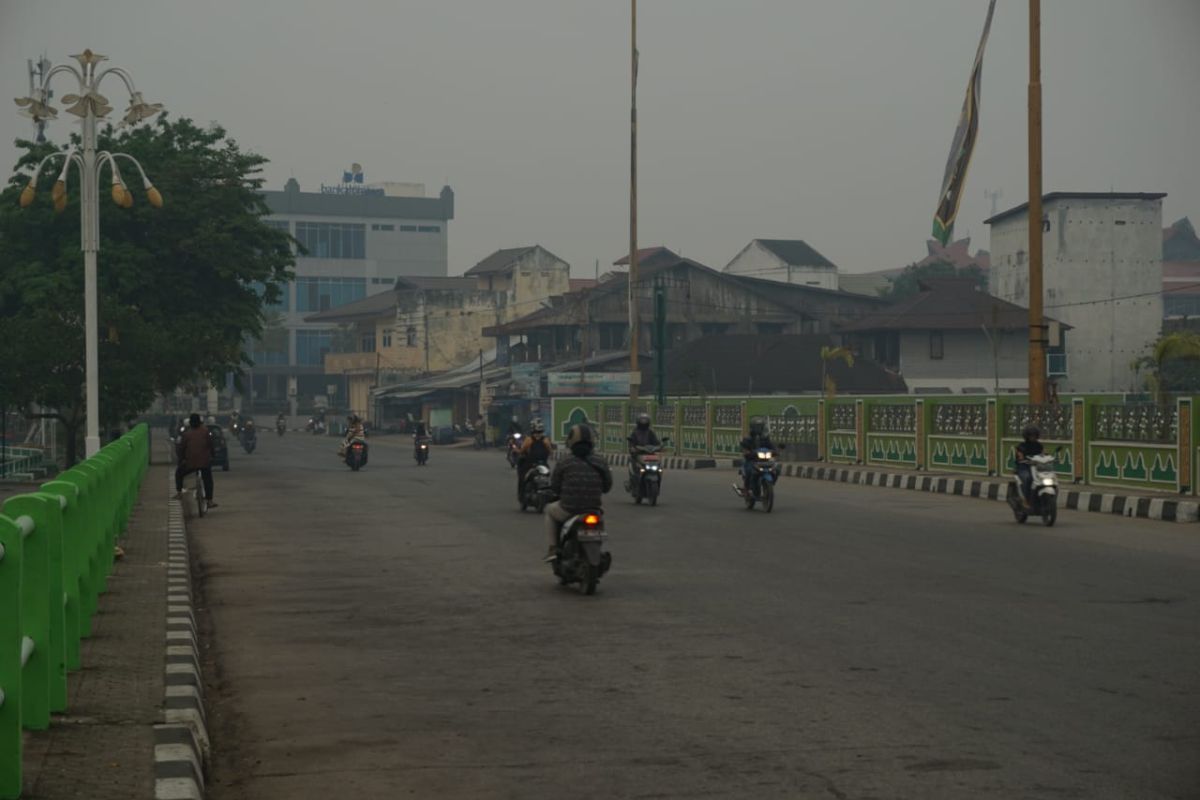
x: 764, y: 473
x: 535, y: 488
x: 356, y: 454
x: 1044, y: 500
x: 582, y: 555
x: 248, y: 436
x: 514, y: 449
x: 421, y: 450
x: 645, y: 479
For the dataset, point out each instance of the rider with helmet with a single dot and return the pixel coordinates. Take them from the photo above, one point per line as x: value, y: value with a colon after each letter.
x: 1029, y: 447
x: 640, y: 436
x: 757, y: 440
x: 580, y: 480
x: 535, y: 449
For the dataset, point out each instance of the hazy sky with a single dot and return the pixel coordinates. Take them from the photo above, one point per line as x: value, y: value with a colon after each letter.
x: 823, y: 120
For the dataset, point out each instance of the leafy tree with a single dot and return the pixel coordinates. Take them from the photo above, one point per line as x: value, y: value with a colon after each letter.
x: 829, y: 355
x: 1173, y: 365
x: 180, y: 288
x: 907, y: 282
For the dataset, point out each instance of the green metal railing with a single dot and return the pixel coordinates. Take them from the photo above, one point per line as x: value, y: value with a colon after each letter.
x: 56, y: 551
x: 1101, y: 439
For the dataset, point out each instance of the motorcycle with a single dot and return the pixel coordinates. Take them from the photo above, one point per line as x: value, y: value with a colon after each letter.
x: 280, y: 426
x: 421, y: 451
x: 220, y: 448
x: 514, y: 449
x: 535, y: 489
x: 1044, y: 502
x: 356, y: 455
x: 763, y: 476
x: 582, y: 556
x: 646, y: 480
x: 248, y: 436
x: 316, y: 425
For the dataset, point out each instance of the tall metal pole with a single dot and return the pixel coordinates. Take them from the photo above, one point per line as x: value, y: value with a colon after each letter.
x: 1037, y: 328
x: 635, y: 375
x: 89, y: 204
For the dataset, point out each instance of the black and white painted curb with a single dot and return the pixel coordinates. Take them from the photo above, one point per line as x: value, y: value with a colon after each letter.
x: 181, y: 745
x: 668, y: 462
x: 1159, y: 508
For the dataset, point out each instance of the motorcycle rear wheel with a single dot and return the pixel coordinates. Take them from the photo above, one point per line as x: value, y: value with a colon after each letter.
x: 588, y: 576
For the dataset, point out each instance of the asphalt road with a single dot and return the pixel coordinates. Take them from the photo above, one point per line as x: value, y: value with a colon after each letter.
x: 392, y: 633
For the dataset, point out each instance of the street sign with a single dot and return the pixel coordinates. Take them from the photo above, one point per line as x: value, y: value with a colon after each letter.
x: 595, y: 384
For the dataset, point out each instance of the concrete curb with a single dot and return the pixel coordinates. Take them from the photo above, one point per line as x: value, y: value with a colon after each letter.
x: 990, y: 489
x: 181, y: 744
x: 669, y: 462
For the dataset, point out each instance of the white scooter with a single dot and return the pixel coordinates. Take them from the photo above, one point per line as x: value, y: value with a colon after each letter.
x: 1044, y: 502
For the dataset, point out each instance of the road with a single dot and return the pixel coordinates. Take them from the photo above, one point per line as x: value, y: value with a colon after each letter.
x: 392, y: 633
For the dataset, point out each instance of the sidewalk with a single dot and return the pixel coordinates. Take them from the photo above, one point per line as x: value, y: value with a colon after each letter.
x: 103, y: 747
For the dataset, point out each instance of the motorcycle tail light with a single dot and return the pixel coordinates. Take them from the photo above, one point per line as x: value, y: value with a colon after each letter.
x: 591, y: 520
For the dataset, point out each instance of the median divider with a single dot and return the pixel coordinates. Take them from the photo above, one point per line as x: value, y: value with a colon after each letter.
x: 56, y: 551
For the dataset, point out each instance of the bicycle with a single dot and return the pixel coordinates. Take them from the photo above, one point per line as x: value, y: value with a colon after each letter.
x: 201, y: 499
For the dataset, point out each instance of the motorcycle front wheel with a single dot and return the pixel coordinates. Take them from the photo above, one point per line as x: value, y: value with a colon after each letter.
x: 652, y: 493
x: 768, y: 497
x: 1049, y: 510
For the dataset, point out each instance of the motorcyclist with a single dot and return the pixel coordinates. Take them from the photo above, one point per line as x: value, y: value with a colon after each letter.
x: 1029, y: 446
x: 535, y: 449
x: 757, y: 440
x: 514, y: 426
x: 281, y: 420
x: 580, y: 480
x: 641, y: 436
x: 195, y: 452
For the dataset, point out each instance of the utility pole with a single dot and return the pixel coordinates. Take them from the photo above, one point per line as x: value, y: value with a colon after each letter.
x: 586, y: 344
x: 660, y: 347
x: 481, y: 409
x: 635, y: 375
x: 1037, y: 328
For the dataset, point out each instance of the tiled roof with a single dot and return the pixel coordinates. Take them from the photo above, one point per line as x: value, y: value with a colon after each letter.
x: 499, y: 261
x: 648, y: 256
x: 795, y: 252
x: 944, y: 304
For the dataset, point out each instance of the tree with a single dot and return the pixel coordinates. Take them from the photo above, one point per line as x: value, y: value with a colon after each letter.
x: 180, y: 288
x: 829, y: 354
x: 907, y: 283
x: 1173, y: 365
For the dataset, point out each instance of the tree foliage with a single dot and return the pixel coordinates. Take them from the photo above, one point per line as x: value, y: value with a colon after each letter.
x: 180, y: 288
x: 1173, y: 366
x: 907, y: 282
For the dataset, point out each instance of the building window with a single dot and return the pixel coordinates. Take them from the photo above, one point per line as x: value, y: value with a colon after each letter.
x: 333, y: 239
x: 937, y: 346
x: 1056, y: 362
x: 387, y: 338
x: 367, y: 343
x: 278, y: 224
x: 383, y: 227
x: 322, y: 294
x: 408, y: 228
x: 311, y: 347
x: 769, y: 328
x: 271, y: 349
x: 612, y: 335
x: 410, y: 336
x: 429, y: 228
x: 1178, y: 304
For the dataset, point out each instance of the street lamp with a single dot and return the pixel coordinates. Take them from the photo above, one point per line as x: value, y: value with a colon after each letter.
x: 89, y: 105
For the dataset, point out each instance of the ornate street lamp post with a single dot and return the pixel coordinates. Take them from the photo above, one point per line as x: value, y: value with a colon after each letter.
x: 90, y: 106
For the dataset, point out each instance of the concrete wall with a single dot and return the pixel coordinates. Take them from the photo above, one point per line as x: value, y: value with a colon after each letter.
x: 1102, y: 275
x: 967, y: 360
x: 757, y: 261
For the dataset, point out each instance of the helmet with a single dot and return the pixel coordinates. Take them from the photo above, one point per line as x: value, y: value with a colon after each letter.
x: 516, y: 418
x: 580, y: 440
x: 1031, y: 430
x: 643, y: 421
x: 758, y: 426
x: 194, y: 420
x: 211, y: 420
x: 353, y: 419
x: 537, y: 427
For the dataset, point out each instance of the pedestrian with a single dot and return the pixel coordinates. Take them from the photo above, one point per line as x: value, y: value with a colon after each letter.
x: 195, y: 452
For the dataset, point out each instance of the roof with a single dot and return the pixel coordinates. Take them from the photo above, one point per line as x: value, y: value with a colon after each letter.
x: 648, y: 256
x: 463, y: 375
x: 795, y: 252
x: 868, y: 284
x: 741, y: 363
x: 431, y: 282
x: 579, y: 284
x: 1180, y: 242
x: 944, y: 304
x: 1055, y: 196
x: 376, y: 305
x: 504, y: 260
x: 316, y: 204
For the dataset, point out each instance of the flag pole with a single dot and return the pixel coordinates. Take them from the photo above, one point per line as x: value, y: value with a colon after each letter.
x: 1037, y: 327
x: 635, y: 375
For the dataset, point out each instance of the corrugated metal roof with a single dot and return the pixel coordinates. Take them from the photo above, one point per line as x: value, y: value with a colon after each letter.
x: 795, y: 252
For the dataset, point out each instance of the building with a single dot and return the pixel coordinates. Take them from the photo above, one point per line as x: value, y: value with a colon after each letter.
x: 786, y: 261
x: 696, y: 300
x: 428, y: 325
x: 1102, y: 275
x: 952, y: 337
x: 1181, y: 271
x: 357, y: 241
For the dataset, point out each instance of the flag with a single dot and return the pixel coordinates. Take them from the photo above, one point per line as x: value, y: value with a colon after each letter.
x: 962, y: 146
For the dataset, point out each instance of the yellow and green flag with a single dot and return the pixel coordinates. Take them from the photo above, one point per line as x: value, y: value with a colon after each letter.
x: 962, y: 146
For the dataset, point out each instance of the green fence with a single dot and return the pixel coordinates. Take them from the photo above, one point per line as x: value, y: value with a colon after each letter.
x: 56, y: 550
x: 1101, y: 439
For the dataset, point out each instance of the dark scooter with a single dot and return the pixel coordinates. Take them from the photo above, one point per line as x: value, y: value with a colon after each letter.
x: 582, y: 557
